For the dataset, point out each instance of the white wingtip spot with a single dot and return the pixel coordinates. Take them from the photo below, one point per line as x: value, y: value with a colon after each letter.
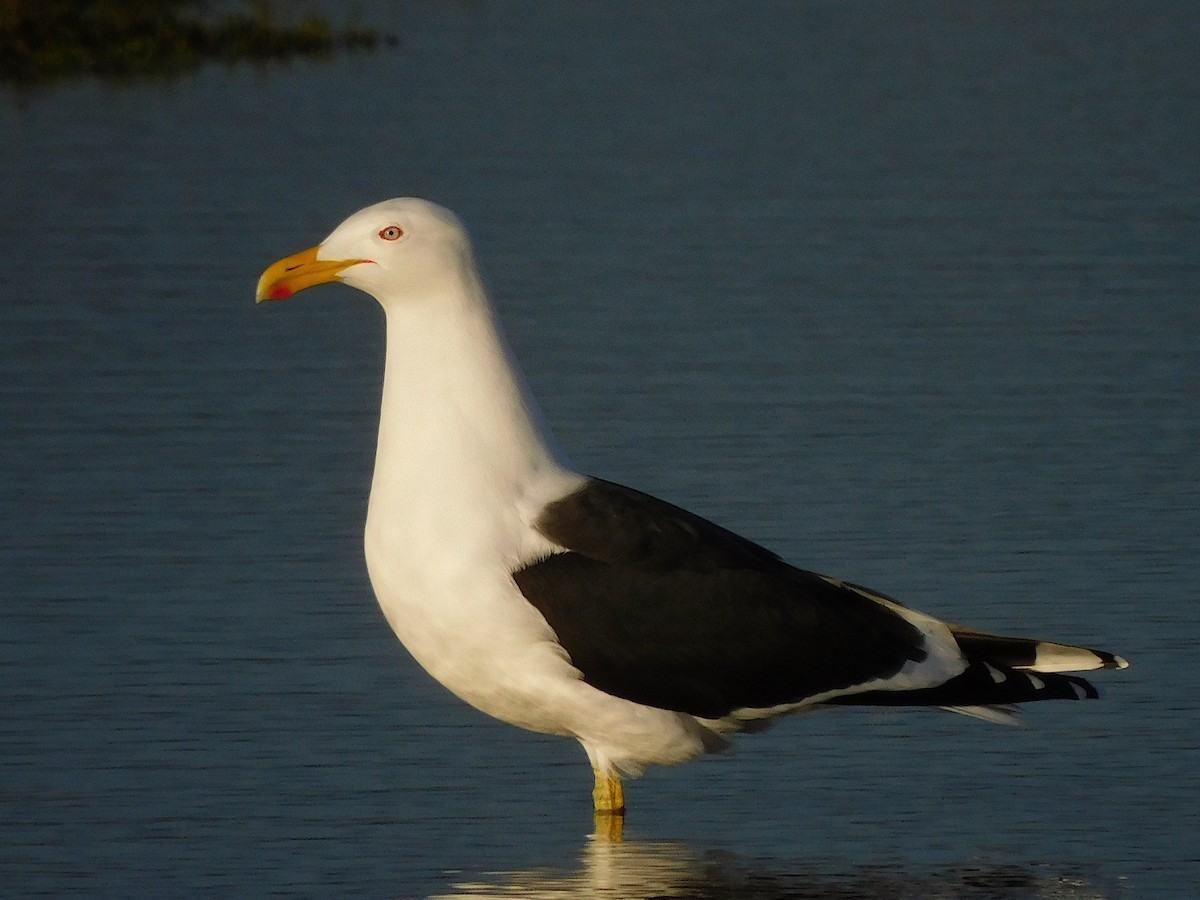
x: 1080, y: 693
x: 1037, y: 683
x: 997, y: 675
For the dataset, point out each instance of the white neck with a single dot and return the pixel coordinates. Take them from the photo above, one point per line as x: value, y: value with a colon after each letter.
x: 459, y: 453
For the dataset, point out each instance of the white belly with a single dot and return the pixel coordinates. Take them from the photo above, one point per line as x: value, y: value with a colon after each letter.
x: 474, y: 632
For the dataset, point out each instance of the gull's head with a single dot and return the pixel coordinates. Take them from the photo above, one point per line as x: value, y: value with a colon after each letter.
x: 391, y: 250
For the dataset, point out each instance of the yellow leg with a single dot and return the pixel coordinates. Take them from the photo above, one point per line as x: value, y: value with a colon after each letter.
x: 608, y: 795
x: 608, y: 799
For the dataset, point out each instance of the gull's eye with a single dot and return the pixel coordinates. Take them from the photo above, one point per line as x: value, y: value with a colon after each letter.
x: 392, y: 233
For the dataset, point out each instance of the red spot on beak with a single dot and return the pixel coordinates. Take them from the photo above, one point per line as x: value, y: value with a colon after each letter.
x: 281, y: 292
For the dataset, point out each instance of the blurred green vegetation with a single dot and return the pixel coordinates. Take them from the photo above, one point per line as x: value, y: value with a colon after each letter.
x: 42, y: 40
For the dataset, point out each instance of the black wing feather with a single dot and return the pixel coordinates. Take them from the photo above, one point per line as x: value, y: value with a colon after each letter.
x: 660, y: 606
x: 983, y: 684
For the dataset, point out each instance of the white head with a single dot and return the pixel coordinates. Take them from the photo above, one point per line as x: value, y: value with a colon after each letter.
x: 393, y: 250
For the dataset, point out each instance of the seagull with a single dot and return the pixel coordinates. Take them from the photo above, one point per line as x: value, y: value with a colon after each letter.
x: 573, y: 606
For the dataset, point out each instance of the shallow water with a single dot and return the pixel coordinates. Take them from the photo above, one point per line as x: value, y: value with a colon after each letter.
x: 909, y: 298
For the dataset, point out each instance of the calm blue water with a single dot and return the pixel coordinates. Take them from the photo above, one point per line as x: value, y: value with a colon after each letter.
x: 907, y: 293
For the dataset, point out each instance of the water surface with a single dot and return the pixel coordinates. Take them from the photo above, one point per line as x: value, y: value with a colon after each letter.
x: 907, y: 295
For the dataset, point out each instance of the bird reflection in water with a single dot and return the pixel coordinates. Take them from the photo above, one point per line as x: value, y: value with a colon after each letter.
x: 633, y: 869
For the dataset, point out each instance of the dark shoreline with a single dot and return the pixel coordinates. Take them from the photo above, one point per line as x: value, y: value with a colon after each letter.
x: 49, y: 40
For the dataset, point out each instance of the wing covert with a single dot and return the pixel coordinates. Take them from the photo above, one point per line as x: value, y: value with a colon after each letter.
x: 660, y: 606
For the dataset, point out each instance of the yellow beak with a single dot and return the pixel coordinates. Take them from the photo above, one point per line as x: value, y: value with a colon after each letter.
x: 297, y: 272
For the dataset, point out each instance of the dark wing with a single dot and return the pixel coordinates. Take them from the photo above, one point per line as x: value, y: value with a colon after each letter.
x: 662, y: 607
